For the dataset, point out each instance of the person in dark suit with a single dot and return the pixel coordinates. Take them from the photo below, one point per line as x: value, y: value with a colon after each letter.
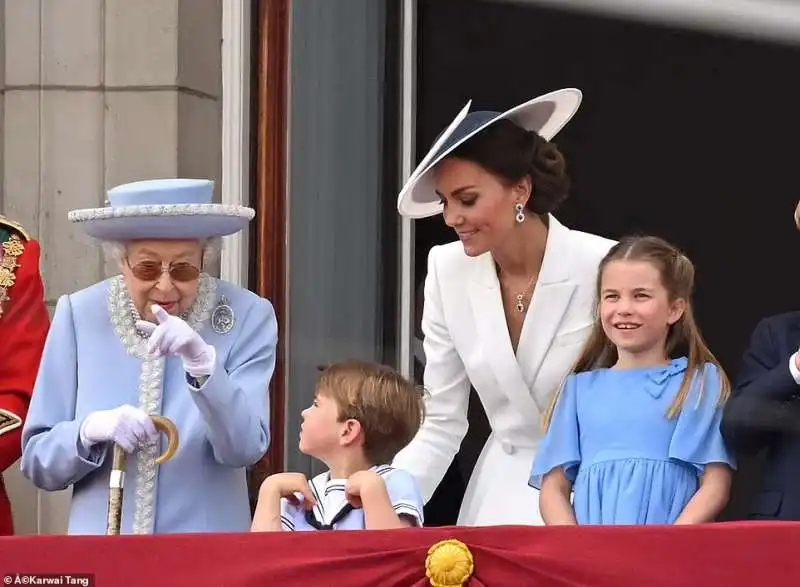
x: 763, y: 413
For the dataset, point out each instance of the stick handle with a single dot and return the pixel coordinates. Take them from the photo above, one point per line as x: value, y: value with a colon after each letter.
x: 168, y: 427
x: 117, y: 480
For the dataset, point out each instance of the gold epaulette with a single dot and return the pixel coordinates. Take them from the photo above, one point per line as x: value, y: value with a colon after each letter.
x: 15, y: 227
x: 12, y: 249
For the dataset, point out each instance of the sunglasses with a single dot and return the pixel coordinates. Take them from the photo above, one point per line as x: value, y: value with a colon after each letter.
x: 152, y: 271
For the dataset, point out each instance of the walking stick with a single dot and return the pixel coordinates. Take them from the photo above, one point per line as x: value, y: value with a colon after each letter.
x: 117, y: 481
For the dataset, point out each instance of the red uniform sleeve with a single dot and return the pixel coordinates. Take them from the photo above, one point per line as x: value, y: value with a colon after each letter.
x: 23, y: 329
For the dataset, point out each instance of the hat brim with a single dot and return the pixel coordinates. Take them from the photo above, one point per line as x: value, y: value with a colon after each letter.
x: 191, y: 221
x: 797, y: 216
x: 546, y: 115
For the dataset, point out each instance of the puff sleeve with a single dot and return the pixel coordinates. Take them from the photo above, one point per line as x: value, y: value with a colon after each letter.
x: 561, y: 445
x: 697, y: 439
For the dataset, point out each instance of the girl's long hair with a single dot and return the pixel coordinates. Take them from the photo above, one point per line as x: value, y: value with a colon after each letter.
x: 684, y: 337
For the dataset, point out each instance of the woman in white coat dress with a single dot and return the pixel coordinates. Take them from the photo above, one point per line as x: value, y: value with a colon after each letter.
x: 507, y: 307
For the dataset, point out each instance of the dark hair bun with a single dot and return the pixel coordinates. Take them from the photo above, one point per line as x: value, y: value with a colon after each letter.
x: 551, y: 183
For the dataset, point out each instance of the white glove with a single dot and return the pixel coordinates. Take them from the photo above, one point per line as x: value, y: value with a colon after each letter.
x: 173, y: 336
x: 126, y: 426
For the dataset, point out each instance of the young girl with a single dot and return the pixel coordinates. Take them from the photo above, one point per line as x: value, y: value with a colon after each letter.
x: 634, y: 431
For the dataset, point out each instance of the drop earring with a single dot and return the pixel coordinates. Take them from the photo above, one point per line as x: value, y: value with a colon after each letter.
x: 520, y: 217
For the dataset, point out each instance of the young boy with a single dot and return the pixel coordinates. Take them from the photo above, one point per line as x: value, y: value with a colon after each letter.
x: 362, y: 415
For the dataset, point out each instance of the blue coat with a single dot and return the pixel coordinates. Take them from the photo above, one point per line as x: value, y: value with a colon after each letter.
x: 92, y: 362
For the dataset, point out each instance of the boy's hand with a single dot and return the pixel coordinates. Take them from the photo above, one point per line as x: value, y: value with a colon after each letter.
x: 286, y: 485
x: 362, y: 485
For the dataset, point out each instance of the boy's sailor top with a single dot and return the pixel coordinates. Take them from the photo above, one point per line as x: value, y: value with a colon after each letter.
x: 333, y: 512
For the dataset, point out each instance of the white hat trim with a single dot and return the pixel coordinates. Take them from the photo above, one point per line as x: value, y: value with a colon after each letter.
x: 161, y: 210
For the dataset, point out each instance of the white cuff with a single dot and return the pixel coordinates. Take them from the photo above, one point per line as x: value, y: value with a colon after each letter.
x: 202, y: 366
x: 85, y: 442
x: 793, y: 369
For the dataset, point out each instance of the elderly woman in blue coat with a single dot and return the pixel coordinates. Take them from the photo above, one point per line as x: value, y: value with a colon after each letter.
x: 162, y: 338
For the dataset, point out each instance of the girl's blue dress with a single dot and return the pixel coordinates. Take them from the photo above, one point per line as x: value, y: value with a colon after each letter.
x: 628, y: 462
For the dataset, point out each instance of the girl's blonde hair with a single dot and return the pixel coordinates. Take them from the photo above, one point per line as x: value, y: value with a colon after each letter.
x: 684, y: 337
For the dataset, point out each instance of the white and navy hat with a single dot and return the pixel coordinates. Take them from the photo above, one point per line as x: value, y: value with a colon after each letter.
x: 162, y: 209
x: 797, y: 216
x: 546, y: 115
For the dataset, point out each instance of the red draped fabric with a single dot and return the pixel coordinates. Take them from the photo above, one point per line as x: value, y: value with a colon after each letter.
x: 725, y: 555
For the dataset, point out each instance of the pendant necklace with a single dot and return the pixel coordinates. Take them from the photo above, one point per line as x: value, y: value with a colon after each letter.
x: 520, y: 305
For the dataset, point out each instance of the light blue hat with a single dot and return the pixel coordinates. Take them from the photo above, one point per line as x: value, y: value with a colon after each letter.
x: 162, y: 209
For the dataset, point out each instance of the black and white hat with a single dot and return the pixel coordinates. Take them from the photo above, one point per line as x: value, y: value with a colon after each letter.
x: 546, y: 115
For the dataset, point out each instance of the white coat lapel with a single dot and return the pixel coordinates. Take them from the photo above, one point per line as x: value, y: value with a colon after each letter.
x: 492, y: 330
x: 551, y: 298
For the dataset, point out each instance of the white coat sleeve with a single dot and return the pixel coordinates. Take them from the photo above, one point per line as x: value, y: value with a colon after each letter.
x: 429, y: 455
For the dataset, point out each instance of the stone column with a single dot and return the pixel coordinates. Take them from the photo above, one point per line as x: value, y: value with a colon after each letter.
x: 98, y: 93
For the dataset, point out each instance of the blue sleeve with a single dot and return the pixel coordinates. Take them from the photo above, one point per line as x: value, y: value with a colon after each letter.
x: 697, y: 439
x: 405, y: 495
x: 53, y: 457
x: 561, y: 445
x: 234, y: 400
